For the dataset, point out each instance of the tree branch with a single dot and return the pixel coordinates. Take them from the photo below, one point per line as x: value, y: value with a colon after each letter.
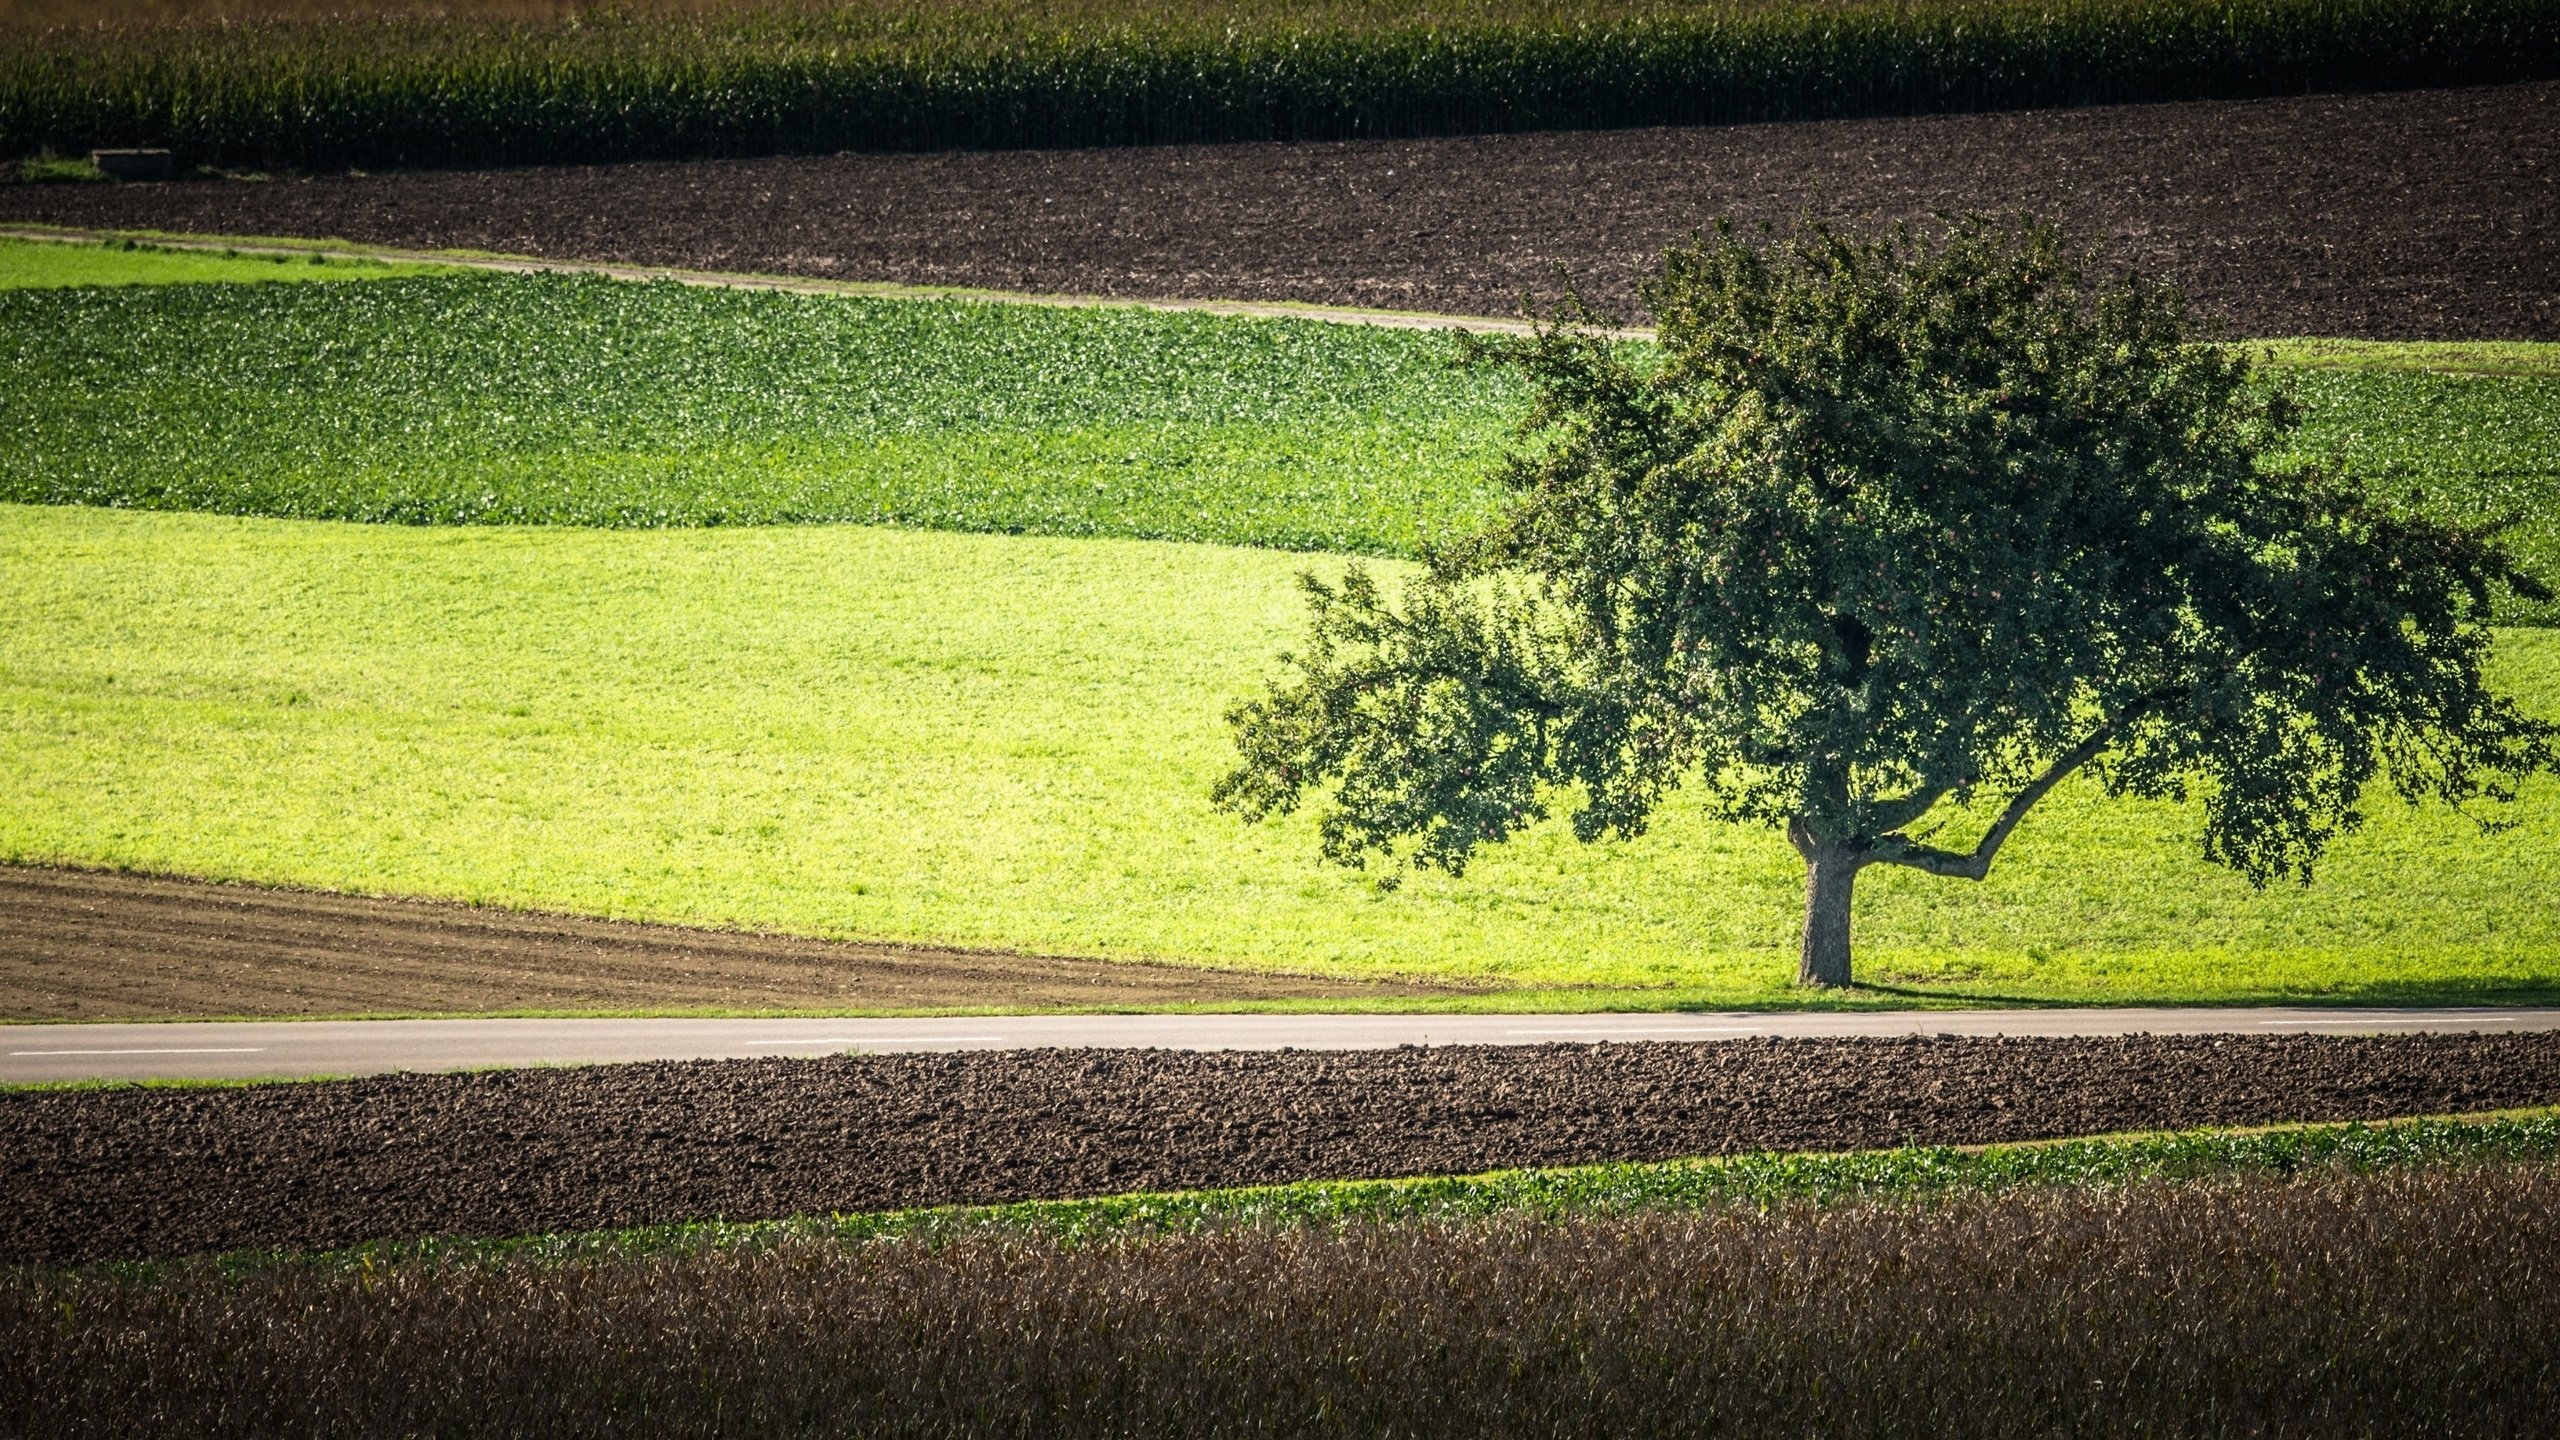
x: 1892, y: 815
x: 1897, y: 850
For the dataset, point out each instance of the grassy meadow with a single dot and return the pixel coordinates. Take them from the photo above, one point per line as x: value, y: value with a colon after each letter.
x: 271, y: 83
x: 1008, y: 741
x: 915, y: 621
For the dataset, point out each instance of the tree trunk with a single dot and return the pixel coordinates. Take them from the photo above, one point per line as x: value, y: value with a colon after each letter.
x: 1830, y: 872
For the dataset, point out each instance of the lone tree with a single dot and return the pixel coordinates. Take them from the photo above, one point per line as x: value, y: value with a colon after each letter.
x: 1892, y: 531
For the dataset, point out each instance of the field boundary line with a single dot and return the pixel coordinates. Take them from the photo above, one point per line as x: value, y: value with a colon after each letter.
x: 2458, y: 357
x: 786, y: 284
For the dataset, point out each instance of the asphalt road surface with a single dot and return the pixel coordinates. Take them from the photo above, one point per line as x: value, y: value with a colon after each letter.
x: 250, y: 1050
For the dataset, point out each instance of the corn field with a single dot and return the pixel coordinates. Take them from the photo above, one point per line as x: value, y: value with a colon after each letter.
x: 2410, y: 1302
x: 495, y: 86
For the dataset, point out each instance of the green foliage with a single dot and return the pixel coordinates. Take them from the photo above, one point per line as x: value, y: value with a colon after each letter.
x: 1008, y: 742
x: 1888, y: 525
x: 1756, y: 1181
x: 2463, y: 447
x: 607, y: 84
x: 52, y: 169
x: 560, y: 400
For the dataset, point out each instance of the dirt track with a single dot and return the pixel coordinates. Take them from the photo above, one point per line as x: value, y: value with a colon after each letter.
x: 78, y: 945
x: 2431, y: 214
x: 91, y: 1174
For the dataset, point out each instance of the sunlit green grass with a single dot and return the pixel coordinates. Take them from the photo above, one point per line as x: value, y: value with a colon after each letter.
x: 2452, y: 357
x: 47, y: 265
x: 1004, y: 741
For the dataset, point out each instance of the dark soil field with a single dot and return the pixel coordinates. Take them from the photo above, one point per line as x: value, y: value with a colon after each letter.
x: 92, y: 1174
x: 80, y: 945
x: 2430, y: 214
x: 2324, y: 1304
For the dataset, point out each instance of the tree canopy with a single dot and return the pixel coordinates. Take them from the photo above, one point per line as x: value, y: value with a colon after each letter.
x: 1885, y: 538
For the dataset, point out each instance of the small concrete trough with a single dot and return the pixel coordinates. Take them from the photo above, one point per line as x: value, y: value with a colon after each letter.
x: 135, y: 164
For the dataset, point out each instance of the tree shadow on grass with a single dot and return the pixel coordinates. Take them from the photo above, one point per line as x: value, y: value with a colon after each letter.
x: 1975, y: 997
x: 2449, y: 993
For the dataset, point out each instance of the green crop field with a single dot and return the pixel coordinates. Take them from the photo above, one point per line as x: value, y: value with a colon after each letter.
x: 513, y: 82
x: 580, y: 401
x: 1008, y: 741
x: 561, y: 400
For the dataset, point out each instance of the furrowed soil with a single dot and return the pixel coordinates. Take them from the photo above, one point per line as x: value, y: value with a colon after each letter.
x: 83, y: 945
x: 96, y: 1174
x: 2420, y: 215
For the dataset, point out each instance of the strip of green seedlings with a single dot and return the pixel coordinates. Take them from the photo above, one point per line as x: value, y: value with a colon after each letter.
x: 1758, y: 1181
x: 608, y: 84
x: 477, y: 399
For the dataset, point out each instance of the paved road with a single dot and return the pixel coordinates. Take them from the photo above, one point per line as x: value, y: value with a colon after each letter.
x: 240, y: 1050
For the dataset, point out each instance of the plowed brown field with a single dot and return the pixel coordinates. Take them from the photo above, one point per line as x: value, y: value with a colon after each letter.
x: 137, y: 1172
x: 2429, y: 214
x: 81, y: 945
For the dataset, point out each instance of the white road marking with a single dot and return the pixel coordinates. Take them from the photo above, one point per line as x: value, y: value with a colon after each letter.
x: 2396, y: 1020
x: 209, y: 1050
